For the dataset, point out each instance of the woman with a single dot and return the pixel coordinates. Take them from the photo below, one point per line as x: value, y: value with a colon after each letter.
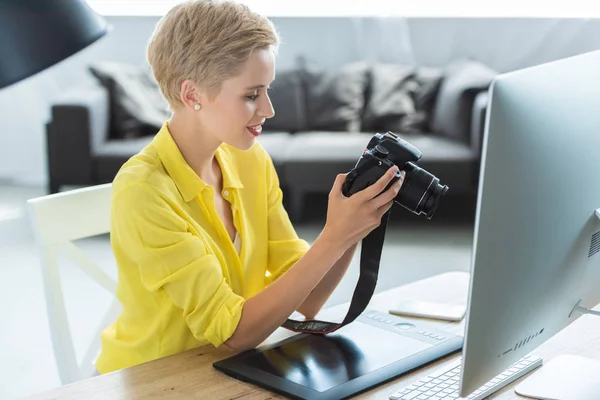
x: 206, y: 253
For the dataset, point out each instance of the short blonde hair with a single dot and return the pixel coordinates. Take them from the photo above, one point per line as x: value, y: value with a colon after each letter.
x: 206, y: 41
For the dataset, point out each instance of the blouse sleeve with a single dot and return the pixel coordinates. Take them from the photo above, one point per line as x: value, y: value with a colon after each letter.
x: 172, y: 260
x: 285, y: 247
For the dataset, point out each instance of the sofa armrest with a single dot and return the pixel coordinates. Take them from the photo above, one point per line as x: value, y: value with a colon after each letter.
x: 79, y: 123
x: 478, y: 116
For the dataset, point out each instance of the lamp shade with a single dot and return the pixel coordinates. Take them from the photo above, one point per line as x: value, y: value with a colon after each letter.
x: 36, y: 34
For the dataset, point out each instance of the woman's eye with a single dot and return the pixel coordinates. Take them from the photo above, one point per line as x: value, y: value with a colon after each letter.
x: 256, y: 95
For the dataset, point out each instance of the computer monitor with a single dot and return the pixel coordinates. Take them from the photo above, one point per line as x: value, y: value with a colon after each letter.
x: 536, y: 249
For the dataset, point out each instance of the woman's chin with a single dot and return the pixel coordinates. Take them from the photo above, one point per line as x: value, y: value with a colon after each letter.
x: 243, y: 144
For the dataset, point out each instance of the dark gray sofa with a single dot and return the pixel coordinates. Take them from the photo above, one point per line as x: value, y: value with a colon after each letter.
x: 323, y: 121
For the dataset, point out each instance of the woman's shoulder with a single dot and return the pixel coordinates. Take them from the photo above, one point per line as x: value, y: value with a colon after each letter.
x: 141, y: 173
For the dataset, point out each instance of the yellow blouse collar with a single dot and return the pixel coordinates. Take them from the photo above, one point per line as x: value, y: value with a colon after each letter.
x: 188, y: 182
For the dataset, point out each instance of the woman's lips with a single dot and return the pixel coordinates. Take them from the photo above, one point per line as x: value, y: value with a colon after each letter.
x: 255, y: 129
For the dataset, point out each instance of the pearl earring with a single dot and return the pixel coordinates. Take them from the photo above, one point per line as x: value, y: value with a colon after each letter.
x: 197, y: 107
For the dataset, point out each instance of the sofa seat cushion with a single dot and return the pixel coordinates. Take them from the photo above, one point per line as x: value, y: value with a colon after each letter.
x: 275, y: 143
x: 438, y: 148
x: 322, y: 146
x: 313, y: 159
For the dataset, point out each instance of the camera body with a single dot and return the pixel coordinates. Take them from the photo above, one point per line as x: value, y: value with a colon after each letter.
x: 420, y: 192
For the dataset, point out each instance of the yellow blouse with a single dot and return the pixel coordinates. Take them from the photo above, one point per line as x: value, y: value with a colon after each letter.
x: 181, y: 282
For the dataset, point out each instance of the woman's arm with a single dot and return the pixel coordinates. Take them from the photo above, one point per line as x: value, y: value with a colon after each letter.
x: 263, y: 313
x: 349, y: 220
x: 318, y: 297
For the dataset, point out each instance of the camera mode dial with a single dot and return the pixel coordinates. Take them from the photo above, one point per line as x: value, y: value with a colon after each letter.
x: 380, y: 151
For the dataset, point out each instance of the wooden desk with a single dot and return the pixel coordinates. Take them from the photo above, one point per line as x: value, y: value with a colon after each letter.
x: 190, y: 375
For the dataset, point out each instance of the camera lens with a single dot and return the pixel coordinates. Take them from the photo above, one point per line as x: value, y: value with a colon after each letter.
x: 421, y: 191
x: 433, y: 197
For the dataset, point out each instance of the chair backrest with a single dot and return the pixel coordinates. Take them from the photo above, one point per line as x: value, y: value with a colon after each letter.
x: 58, y: 220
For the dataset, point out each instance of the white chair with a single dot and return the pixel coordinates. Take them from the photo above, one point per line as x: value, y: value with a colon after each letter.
x: 57, y: 220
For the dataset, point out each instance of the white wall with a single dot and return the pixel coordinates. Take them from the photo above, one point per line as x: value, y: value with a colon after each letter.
x: 374, y: 8
x: 504, y: 44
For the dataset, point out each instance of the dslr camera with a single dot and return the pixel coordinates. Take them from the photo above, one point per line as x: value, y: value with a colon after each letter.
x: 421, y: 191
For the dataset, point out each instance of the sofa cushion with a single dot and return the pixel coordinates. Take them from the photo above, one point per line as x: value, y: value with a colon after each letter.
x: 400, y: 98
x: 462, y: 81
x: 317, y: 146
x: 335, y: 99
x: 437, y: 148
x: 287, y: 97
x: 137, y: 107
x: 275, y: 143
x: 313, y: 159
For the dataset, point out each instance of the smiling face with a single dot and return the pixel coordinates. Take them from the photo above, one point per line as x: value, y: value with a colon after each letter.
x: 220, y: 56
x: 236, y: 114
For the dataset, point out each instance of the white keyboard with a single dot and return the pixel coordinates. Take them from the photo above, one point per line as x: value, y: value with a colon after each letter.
x: 442, y: 384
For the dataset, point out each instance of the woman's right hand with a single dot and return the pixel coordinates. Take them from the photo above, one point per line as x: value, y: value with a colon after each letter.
x: 350, y: 219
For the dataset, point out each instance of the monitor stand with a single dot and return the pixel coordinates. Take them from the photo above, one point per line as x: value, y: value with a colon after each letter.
x: 565, y: 377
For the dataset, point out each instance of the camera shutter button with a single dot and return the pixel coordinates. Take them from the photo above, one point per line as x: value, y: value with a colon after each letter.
x: 380, y: 151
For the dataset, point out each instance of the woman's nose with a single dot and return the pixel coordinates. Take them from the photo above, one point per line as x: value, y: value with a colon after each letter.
x: 266, y: 110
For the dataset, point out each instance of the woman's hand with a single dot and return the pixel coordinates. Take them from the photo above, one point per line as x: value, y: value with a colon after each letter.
x: 350, y: 219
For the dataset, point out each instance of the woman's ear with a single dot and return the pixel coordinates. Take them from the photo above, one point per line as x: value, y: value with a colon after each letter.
x: 190, y: 95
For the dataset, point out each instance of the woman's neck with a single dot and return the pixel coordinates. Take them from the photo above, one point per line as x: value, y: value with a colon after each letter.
x: 197, y: 149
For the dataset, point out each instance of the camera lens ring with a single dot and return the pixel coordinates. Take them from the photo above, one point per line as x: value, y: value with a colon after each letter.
x: 418, y: 207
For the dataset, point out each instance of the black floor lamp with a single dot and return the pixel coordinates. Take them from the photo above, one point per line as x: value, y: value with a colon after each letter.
x: 36, y: 34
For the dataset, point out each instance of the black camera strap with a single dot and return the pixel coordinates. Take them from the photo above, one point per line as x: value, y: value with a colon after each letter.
x: 370, y: 256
